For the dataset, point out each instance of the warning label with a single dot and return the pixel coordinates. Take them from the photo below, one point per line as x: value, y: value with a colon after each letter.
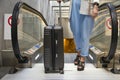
x: 7, y: 26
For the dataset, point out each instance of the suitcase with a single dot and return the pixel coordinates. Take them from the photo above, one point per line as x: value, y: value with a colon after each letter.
x: 53, y: 49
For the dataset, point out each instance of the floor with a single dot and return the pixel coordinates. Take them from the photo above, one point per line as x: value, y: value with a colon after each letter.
x: 70, y: 73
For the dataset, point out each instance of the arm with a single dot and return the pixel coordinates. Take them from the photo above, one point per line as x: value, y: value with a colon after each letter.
x: 95, y: 8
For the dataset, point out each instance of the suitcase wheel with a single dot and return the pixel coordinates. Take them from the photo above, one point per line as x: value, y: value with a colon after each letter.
x: 46, y: 70
x: 61, y: 71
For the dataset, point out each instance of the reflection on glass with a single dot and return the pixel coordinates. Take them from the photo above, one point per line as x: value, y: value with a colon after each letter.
x: 118, y: 45
x: 30, y: 29
x: 69, y: 45
x: 101, y: 36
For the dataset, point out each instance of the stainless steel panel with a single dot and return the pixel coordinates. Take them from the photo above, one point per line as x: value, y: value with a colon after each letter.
x: 0, y: 59
x: 8, y: 58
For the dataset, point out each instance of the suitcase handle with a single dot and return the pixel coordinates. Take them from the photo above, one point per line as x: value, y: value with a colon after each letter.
x: 60, y: 21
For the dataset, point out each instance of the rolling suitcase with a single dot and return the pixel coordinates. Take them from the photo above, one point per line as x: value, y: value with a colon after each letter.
x: 53, y: 49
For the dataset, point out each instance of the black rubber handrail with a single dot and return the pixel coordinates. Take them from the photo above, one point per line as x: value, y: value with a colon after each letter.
x: 14, y: 32
x: 117, y: 7
x: 114, y: 32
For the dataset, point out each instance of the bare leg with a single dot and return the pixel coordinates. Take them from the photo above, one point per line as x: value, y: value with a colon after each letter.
x: 78, y: 53
x: 77, y: 58
x: 82, y: 59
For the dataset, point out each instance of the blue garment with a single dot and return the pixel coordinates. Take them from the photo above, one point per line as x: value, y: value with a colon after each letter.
x: 81, y: 26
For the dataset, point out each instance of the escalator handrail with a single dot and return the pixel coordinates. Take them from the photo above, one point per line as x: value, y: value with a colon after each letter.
x: 114, y: 33
x: 117, y: 7
x: 14, y: 32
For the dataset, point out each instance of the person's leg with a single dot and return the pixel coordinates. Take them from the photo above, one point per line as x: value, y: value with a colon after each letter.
x: 86, y: 30
x: 76, y: 22
x: 77, y: 35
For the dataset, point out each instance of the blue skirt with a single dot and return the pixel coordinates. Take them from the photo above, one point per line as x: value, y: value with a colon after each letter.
x: 81, y: 27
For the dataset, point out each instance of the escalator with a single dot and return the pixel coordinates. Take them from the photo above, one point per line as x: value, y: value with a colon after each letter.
x: 27, y: 33
x: 117, y: 5
x: 104, y: 41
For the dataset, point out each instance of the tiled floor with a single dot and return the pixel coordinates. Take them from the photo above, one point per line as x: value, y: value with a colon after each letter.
x: 71, y: 73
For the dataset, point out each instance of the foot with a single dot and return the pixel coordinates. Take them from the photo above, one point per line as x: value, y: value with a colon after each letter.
x: 76, y: 59
x: 81, y: 64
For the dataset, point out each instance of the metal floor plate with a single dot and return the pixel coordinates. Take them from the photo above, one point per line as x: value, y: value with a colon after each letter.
x: 70, y: 73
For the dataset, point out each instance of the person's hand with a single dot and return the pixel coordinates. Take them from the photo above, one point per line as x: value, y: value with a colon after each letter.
x: 94, y: 12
